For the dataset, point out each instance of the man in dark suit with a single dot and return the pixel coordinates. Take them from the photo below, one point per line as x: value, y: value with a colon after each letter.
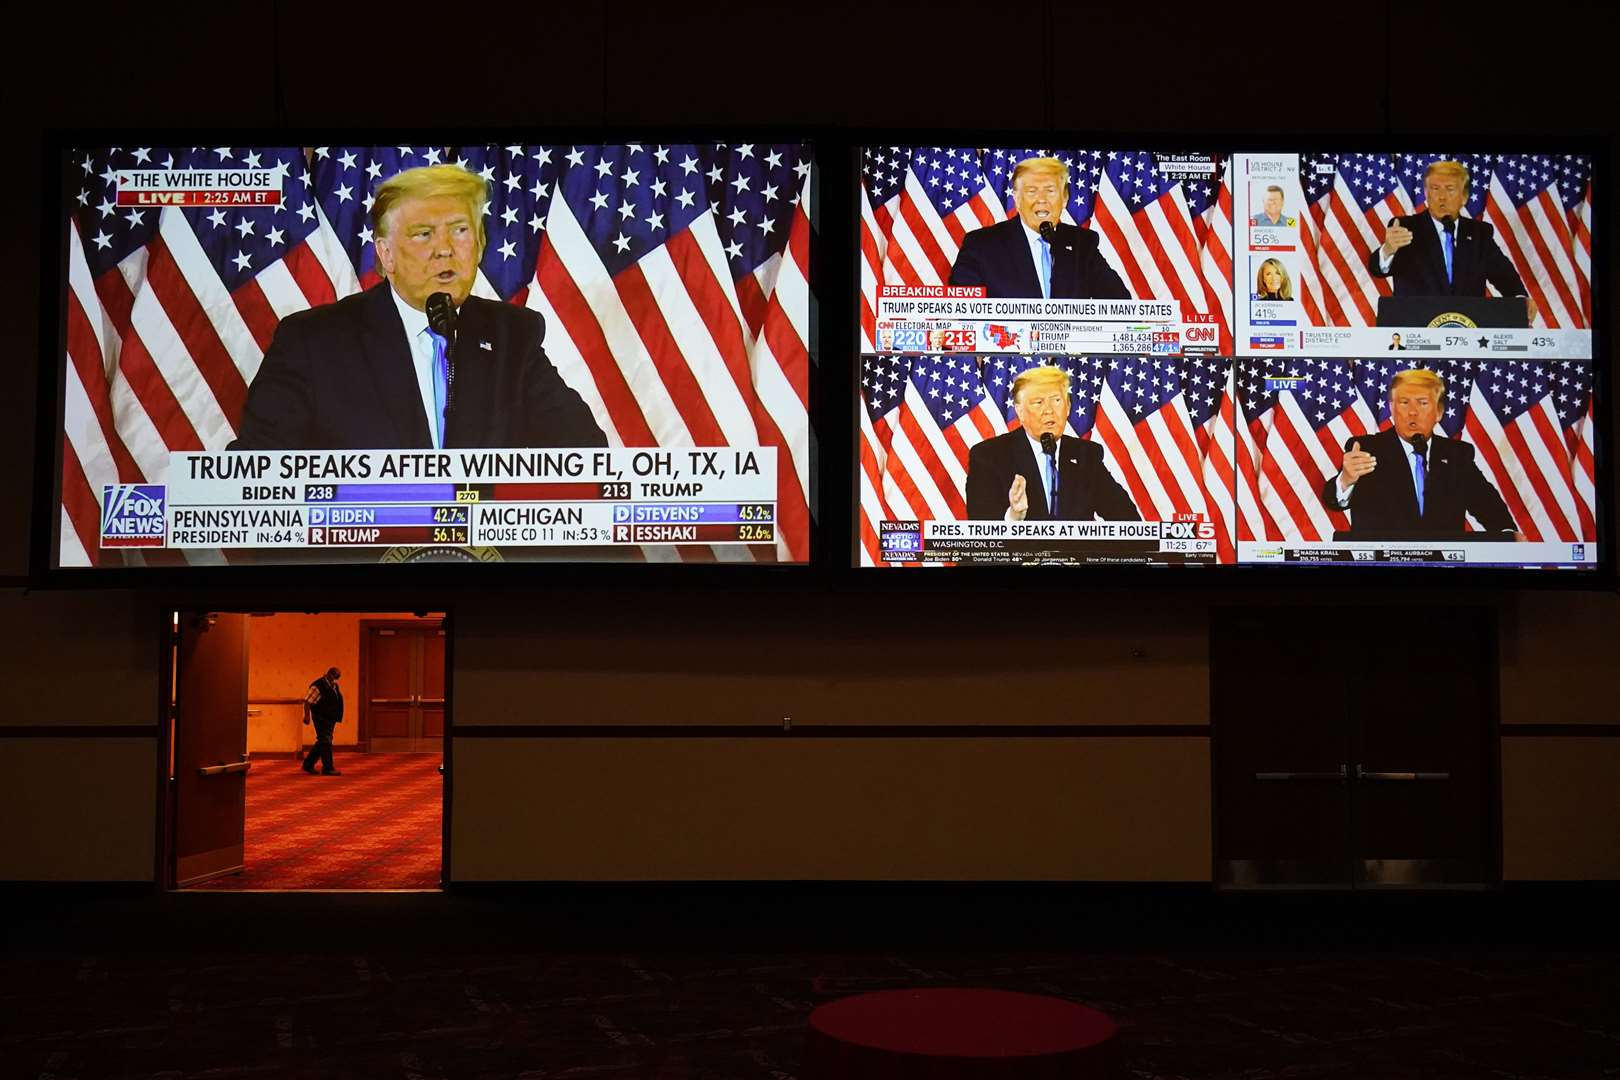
x: 1406, y: 482
x: 1012, y: 259
x: 323, y: 709
x: 1438, y: 253
x: 1013, y: 477
x: 368, y: 372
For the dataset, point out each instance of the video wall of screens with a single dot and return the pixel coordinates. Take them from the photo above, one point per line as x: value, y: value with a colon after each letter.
x: 1110, y: 355
x: 305, y: 354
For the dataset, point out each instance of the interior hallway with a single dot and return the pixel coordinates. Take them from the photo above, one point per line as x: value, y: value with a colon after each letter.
x: 375, y: 826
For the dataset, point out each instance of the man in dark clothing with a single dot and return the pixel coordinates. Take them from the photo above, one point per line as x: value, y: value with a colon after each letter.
x: 324, y: 706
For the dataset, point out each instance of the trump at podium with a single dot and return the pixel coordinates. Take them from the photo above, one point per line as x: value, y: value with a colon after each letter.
x: 1036, y: 254
x: 1437, y: 252
x: 1406, y: 482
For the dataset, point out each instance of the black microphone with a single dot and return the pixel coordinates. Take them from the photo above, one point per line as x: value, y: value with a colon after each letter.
x: 1048, y: 443
x: 441, y: 313
x: 1449, y: 223
x: 1048, y: 231
x: 1419, y: 442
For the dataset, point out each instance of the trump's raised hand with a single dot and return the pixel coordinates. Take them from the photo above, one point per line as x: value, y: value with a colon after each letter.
x: 1018, y: 498
x: 1357, y: 463
x: 1397, y: 237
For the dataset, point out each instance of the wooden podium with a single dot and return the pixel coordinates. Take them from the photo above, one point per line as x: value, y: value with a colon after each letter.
x: 1484, y: 312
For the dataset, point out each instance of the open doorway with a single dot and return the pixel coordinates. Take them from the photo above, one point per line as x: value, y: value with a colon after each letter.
x: 249, y: 806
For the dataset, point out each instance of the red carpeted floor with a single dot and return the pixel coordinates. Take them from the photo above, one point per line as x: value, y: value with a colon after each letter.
x: 374, y: 826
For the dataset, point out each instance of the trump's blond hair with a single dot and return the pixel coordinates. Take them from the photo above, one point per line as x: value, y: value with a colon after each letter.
x: 1041, y: 165
x: 1447, y: 168
x: 431, y: 182
x: 1422, y: 379
x: 1045, y: 375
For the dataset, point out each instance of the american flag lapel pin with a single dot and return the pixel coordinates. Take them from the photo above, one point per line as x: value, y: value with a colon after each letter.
x: 486, y: 346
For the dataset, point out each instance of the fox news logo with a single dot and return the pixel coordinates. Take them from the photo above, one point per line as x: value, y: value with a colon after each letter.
x: 132, y: 515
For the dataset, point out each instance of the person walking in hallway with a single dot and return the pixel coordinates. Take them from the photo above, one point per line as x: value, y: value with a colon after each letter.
x: 323, y: 706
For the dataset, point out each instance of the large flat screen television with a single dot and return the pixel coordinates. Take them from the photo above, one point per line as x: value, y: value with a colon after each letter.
x: 1092, y: 353
x: 449, y: 350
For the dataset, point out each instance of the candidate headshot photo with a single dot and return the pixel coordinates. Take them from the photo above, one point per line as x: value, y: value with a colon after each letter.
x: 1271, y: 210
x: 1272, y: 282
x: 1036, y: 254
x: 1406, y: 482
x: 374, y: 371
x: 1439, y: 252
x: 1395, y: 343
x: 1037, y: 473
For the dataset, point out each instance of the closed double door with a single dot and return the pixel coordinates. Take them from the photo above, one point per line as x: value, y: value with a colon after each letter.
x: 403, y: 686
x: 1354, y: 748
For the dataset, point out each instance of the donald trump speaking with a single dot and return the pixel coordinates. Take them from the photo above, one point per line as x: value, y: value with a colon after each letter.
x: 1037, y: 473
x: 374, y: 371
x: 1406, y: 482
x: 1035, y: 253
x: 1439, y: 253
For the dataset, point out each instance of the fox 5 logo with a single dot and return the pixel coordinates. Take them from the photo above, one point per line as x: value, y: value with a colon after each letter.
x: 1187, y: 530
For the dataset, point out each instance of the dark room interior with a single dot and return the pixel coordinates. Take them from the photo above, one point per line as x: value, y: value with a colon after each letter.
x: 634, y: 820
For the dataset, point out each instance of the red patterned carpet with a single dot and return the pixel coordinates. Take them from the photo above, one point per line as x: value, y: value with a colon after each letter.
x: 375, y: 826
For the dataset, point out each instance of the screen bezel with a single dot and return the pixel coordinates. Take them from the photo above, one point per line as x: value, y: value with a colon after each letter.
x: 50, y: 404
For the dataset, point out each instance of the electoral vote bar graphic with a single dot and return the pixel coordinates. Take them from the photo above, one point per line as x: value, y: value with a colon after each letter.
x: 672, y: 280
x: 508, y: 500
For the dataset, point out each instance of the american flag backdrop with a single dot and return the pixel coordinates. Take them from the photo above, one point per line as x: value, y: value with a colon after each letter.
x: 1168, y: 239
x: 1164, y: 425
x: 1529, y: 421
x: 674, y: 280
x: 1539, y: 205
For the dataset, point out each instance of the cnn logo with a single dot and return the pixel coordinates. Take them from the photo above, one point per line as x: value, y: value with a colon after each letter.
x: 1200, y: 335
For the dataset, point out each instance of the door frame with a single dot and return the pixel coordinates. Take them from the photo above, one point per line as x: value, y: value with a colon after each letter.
x: 168, y: 670
x: 362, y: 736
x: 167, y: 657
x: 1223, y: 616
